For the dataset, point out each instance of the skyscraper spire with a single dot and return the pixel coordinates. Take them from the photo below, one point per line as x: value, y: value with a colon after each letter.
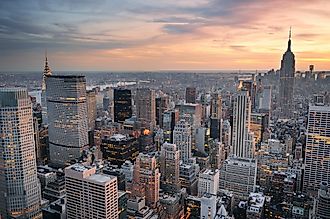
x: 289, y: 42
x: 47, y: 70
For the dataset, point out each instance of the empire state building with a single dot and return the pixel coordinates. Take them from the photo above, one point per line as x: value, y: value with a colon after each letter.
x: 287, y: 81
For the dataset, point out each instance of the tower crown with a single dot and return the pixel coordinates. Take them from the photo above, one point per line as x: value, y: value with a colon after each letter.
x: 47, y: 70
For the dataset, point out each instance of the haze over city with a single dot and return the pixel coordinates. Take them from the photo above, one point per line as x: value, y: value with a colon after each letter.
x: 120, y: 35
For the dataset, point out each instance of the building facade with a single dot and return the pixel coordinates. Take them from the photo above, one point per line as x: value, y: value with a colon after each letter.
x: 170, y: 167
x: 145, y: 101
x: 122, y: 105
x: 146, y: 179
x: 242, y: 138
x: 287, y: 72
x: 191, y: 95
x: 67, y: 115
x: 90, y: 195
x: 317, y: 153
x: 19, y: 186
x: 182, y: 138
x: 91, y: 108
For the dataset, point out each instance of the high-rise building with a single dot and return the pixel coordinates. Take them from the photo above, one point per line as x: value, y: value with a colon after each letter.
x: 242, y: 138
x: 258, y: 125
x: 170, y: 118
x: 91, y: 108
x: 287, y: 81
x: 251, y: 87
x: 146, y: 179
x: 182, y: 139
x: 239, y: 176
x: 191, y: 112
x: 119, y: 148
x: 317, y: 153
x: 90, y: 195
x: 67, y: 114
x: 145, y: 101
x: 191, y: 95
x: 162, y: 105
x: 122, y: 105
x: 216, y: 117
x: 47, y: 72
x: 208, y: 182
x: 170, y: 167
x: 19, y: 186
x: 323, y: 201
x: 265, y: 100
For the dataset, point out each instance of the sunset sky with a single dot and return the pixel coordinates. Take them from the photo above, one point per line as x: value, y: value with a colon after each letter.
x: 116, y: 35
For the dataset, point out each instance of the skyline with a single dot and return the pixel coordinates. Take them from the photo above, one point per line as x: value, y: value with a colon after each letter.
x: 217, y: 34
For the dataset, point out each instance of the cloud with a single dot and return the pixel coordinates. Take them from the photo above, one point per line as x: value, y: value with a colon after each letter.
x: 217, y: 27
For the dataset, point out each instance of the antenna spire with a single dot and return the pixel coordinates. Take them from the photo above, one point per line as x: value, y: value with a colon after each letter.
x: 290, y: 33
x: 289, y: 41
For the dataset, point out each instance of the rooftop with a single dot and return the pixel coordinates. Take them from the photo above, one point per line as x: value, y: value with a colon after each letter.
x: 100, y: 178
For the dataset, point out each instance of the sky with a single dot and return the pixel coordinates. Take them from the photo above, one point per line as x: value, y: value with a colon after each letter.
x: 137, y: 35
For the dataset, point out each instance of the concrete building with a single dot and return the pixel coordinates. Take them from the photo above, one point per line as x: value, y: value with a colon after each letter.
x: 191, y: 112
x: 238, y: 175
x: 265, y: 101
x: 208, y: 182
x: 67, y: 115
x: 145, y: 101
x: 90, y: 195
x: 182, y: 135
x: 91, y: 108
x: 173, y: 205
x: 208, y: 206
x: 191, y: 95
x: 188, y: 177
x: 323, y: 202
x: 170, y: 118
x: 287, y: 82
x: 146, y: 179
x: 255, y: 206
x: 242, y: 138
x: 19, y: 185
x: 216, y: 117
x: 169, y: 167
x: 317, y: 153
x: 162, y: 105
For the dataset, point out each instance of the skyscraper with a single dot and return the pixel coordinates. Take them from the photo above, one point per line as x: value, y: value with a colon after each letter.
x: 191, y: 95
x: 146, y: 179
x: 89, y: 194
x: 91, y: 109
x: 287, y: 81
x: 146, y: 107
x: 162, y: 104
x: 67, y: 113
x: 317, y: 153
x: 265, y: 101
x: 47, y: 72
x: 119, y: 148
x: 170, y: 118
x: 216, y: 117
x: 242, y: 138
x: 170, y: 167
x: 19, y: 185
x: 182, y: 139
x: 122, y: 104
